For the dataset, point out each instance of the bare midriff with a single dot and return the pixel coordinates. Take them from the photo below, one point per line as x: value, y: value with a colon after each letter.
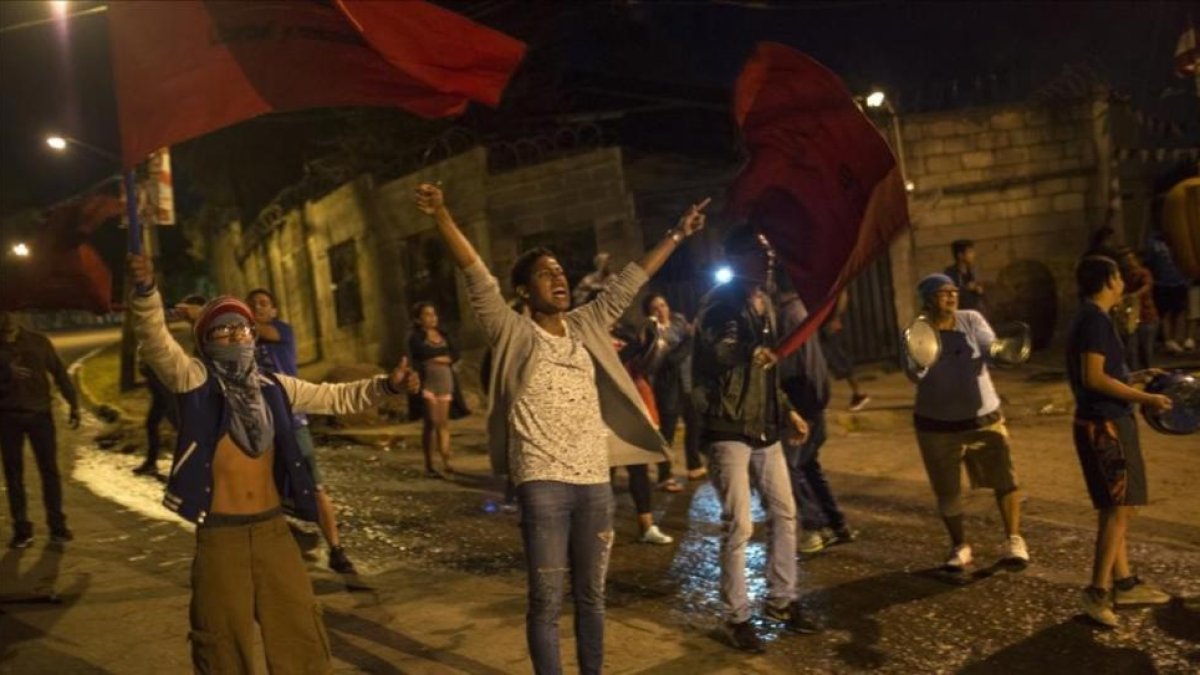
x: 242, y: 484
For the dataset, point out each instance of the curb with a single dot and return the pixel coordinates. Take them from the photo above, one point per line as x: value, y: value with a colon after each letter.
x: 75, y: 371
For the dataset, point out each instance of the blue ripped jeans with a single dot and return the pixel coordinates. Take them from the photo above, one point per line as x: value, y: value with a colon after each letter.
x: 566, y: 528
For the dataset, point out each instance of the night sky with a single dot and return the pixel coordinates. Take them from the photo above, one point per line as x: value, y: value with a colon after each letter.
x: 58, y: 77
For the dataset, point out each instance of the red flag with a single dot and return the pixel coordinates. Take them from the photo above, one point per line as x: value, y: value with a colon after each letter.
x: 821, y: 184
x: 62, y: 270
x: 189, y: 67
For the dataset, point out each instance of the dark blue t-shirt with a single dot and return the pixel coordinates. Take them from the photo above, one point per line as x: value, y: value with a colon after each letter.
x: 279, y: 357
x: 1093, y: 332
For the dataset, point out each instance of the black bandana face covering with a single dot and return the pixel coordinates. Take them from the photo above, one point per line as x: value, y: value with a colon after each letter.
x: 250, y: 423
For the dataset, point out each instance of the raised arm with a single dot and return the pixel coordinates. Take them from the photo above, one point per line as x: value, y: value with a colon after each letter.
x: 483, y: 291
x: 431, y: 202
x: 691, y: 222
x: 350, y: 397
x: 157, y: 348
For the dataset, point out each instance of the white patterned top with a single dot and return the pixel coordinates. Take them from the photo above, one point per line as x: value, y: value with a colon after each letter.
x: 557, y: 430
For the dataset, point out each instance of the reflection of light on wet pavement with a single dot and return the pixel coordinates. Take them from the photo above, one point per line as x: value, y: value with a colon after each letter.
x: 696, y: 567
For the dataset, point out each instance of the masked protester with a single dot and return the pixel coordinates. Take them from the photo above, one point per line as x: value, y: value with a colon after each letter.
x: 237, y: 469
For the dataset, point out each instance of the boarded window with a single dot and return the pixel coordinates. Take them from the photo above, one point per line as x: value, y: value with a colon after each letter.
x: 347, y: 290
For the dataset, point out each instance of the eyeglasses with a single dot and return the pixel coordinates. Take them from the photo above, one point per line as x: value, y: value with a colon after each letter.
x: 232, y: 331
x: 947, y: 291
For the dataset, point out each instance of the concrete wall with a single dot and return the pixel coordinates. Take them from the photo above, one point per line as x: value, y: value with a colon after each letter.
x: 1023, y: 182
x: 582, y: 192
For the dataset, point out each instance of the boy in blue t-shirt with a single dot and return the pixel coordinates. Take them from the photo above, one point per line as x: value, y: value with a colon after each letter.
x: 1106, y: 438
x: 276, y: 352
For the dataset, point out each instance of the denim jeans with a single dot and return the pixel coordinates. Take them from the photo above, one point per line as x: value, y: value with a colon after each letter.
x: 814, y: 497
x: 734, y: 467
x: 566, y: 528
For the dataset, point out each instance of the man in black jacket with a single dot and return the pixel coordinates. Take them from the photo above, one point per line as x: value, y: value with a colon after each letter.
x: 26, y: 359
x: 745, y: 414
x: 805, y: 380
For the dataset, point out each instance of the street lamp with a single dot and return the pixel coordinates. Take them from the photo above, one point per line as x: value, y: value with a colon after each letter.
x: 60, y: 143
x: 878, y: 99
x: 20, y: 250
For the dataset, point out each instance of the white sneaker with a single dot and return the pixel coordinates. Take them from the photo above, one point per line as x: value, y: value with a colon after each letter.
x: 1098, y: 605
x: 1173, y: 347
x: 653, y: 535
x: 1015, y: 549
x: 960, y: 558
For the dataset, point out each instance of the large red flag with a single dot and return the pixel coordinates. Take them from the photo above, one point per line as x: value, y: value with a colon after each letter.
x: 821, y: 184
x: 188, y: 67
x: 63, y: 271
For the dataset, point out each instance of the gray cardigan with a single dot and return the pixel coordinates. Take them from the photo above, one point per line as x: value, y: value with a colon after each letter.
x: 633, y: 438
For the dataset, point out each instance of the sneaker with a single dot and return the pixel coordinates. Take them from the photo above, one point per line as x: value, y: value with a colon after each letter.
x: 1098, y: 606
x: 653, y: 535
x: 338, y: 562
x: 793, y: 616
x: 810, y: 542
x: 146, y: 469
x: 839, y: 535
x: 1173, y: 347
x: 1133, y: 592
x: 61, y: 536
x: 1016, y: 550
x: 960, y: 558
x: 21, y: 540
x: 858, y: 402
x: 744, y: 637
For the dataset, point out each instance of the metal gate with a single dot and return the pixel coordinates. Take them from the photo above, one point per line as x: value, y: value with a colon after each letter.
x: 871, y: 332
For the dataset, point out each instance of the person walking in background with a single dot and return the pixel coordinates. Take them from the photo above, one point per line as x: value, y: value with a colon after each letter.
x: 959, y: 422
x: 804, y: 377
x: 434, y: 354
x: 593, y: 281
x: 1170, y: 294
x: 671, y: 358
x: 635, y: 352
x: 27, y: 362
x: 276, y: 353
x: 1139, y: 283
x: 162, y: 402
x: 547, y: 427
x: 1106, y: 439
x: 962, y: 272
x: 833, y: 345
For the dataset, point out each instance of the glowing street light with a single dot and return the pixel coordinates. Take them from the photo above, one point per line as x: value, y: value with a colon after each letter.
x: 59, y: 7
x: 876, y: 99
x: 20, y: 249
x: 724, y: 274
x: 57, y: 143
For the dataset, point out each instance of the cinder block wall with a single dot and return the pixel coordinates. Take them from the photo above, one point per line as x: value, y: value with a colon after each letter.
x: 1022, y: 181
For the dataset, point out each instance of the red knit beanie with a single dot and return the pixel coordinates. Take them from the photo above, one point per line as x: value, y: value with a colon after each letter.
x: 224, y: 304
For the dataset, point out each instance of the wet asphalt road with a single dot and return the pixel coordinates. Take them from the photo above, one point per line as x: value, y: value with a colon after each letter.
x: 886, y: 607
